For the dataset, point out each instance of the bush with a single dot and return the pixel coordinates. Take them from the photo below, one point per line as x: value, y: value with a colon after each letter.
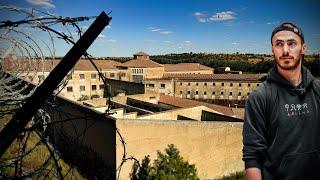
x: 168, y: 165
x: 83, y: 98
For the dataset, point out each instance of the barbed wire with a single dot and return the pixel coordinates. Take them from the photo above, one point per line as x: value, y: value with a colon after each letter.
x: 22, y: 55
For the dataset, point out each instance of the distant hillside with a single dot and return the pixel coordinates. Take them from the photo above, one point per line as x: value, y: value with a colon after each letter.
x: 255, y: 63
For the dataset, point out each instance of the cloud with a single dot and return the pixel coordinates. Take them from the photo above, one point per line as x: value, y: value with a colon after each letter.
x: 199, y: 14
x: 235, y: 43
x: 42, y: 3
x: 187, y: 43
x: 165, y: 32
x: 155, y: 30
x: 101, y: 36
x: 84, y: 28
x: 103, y: 39
x: 219, y: 16
x: 159, y: 30
x: 273, y: 23
x: 223, y: 16
x: 112, y: 40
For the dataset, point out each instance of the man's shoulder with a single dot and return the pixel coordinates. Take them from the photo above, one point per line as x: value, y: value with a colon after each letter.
x: 316, y: 82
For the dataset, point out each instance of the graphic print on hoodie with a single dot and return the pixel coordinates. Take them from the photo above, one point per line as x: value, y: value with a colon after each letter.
x: 281, y: 132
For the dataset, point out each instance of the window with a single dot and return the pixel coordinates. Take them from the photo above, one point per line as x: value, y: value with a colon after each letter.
x: 239, y: 84
x: 213, y: 84
x: 82, y: 88
x: 222, y: 84
x: 205, y: 93
x: 205, y: 84
x: 180, y: 92
x: 239, y: 94
x: 258, y: 84
x: 94, y: 87
x: 188, y: 92
x: 230, y: 93
x: 213, y: 93
x: 152, y: 97
x: 150, y: 85
x: 197, y: 84
x: 81, y: 76
x: 181, y: 84
x: 221, y: 93
x: 248, y: 93
x: 162, y: 86
x: 231, y: 84
x: 93, y: 76
x: 69, y: 89
x: 249, y: 84
x: 197, y: 92
x: 137, y: 78
x: 101, y: 86
x: 188, y: 84
x: 112, y: 75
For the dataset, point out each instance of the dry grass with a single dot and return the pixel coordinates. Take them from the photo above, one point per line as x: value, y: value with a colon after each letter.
x: 38, y: 156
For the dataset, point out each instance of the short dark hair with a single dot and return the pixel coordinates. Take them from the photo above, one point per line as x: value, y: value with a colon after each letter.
x: 288, y: 26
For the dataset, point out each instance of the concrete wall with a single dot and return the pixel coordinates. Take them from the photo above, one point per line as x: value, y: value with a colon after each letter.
x: 85, y: 138
x: 214, y: 147
x: 129, y: 88
x: 168, y: 88
x: 156, y: 72
x: 192, y: 113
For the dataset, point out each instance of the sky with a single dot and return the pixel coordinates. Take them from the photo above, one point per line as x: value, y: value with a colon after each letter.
x: 177, y: 26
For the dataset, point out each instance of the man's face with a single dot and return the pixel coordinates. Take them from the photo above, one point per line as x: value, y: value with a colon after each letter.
x: 287, y: 49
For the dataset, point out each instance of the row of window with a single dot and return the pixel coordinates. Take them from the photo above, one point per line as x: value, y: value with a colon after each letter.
x: 93, y: 76
x: 222, y: 84
x: 162, y: 86
x: 213, y: 93
x: 83, y: 88
x: 137, y: 71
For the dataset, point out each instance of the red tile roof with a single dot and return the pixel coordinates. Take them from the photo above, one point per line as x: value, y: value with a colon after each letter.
x: 210, y: 77
x: 185, y: 67
x: 141, y: 63
x: 48, y: 65
x: 181, y: 102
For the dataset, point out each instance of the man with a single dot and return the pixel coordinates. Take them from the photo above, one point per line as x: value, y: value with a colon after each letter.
x: 281, y: 133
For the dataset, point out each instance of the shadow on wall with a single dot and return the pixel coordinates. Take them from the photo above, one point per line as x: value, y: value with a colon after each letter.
x: 85, y: 138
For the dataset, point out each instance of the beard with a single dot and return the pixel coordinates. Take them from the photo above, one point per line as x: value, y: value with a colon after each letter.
x: 287, y: 66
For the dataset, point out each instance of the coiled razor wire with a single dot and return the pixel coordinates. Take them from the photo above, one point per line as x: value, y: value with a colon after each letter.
x: 26, y: 41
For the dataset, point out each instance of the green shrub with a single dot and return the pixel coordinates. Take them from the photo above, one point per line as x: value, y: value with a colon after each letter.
x: 169, y: 165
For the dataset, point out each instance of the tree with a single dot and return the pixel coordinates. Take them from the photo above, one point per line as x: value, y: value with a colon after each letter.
x: 168, y: 165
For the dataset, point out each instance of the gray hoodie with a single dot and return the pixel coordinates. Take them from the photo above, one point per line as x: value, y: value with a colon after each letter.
x: 281, y: 132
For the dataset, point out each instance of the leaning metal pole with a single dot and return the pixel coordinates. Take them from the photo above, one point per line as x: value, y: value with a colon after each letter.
x: 21, y: 118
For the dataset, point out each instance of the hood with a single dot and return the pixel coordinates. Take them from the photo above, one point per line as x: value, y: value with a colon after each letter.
x: 307, y: 79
